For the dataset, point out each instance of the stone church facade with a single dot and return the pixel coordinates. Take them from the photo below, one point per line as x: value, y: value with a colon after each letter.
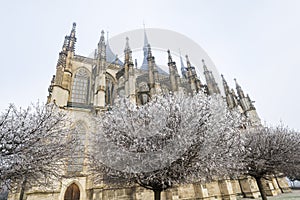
x: 84, y: 85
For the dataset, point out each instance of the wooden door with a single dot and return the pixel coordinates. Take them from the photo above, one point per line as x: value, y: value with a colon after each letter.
x: 72, y: 192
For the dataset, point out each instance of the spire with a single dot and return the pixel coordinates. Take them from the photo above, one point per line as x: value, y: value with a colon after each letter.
x: 225, y: 85
x: 149, y: 56
x: 247, y: 105
x: 173, y: 73
x: 73, y: 31
x: 250, y: 103
x: 65, y: 45
x: 230, y: 97
x: 127, y: 47
x: 101, y: 47
x: 191, y: 75
x: 72, y: 38
x: 234, y: 97
x: 145, y: 37
x: 188, y: 62
x: 169, y: 56
x: 68, y: 45
x: 239, y: 90
x: 128, y: 52
x: 212, y: 85
x: 145, y: 49
x: 204, y: 66
x: 135, y: 63
x: 183, y: 68
x: 107, y: 38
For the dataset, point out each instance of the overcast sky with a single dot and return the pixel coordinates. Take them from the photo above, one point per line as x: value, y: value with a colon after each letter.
x: 255, y: 41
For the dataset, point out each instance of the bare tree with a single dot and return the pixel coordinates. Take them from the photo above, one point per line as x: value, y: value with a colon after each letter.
x: 172, y: 139
x: 270, y: 150
x: 33, y: 144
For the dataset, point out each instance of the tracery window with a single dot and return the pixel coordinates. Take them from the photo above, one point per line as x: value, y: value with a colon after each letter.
x: 80, y: 89
x: 109, y: 92
x: 76, y: 159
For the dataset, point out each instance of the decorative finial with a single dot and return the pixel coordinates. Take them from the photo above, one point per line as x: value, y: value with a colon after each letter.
x: 188, y: 62
x: 127, y: 43
x: 149, y: 51
x: 102, y: 33
x: 74, y: 25
x: 169, y: 56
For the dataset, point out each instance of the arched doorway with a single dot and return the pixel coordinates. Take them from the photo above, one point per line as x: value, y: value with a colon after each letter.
x: 72, y: 192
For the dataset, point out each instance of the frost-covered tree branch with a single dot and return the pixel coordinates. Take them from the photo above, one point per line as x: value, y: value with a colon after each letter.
x: 33, y: 143
x: 171, y: 140
x: 270, y: 150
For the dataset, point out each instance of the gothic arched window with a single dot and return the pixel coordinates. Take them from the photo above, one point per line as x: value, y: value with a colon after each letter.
x: 109, y: 92
x: 76, y: 159
x: 81, y: 84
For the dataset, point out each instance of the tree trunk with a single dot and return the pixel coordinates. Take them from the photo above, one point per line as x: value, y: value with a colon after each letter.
x: 157, y: 194
x: 279, y: 184
x: 23, y: 184
x: 261, y: 188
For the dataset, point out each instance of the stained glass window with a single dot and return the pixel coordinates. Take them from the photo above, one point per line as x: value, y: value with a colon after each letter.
x: 80, y: 86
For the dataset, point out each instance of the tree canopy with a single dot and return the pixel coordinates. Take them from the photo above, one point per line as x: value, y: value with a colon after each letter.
x: 170, y: 140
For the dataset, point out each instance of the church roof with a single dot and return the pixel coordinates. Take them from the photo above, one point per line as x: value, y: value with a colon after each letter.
x: 110, y: 56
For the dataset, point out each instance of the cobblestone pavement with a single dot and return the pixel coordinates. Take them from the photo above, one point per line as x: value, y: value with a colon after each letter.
x: 294, y: 195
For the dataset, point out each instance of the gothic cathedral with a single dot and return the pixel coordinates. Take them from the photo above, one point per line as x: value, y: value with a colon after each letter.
x: 84, y: 85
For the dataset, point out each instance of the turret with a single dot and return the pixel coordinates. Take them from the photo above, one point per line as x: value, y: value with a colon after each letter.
x: 212, y: 85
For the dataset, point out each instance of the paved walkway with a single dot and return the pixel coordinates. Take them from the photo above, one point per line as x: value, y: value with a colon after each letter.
x: 294, y: 195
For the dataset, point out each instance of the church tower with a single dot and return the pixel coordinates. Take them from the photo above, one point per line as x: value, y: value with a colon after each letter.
x: 60, y: 89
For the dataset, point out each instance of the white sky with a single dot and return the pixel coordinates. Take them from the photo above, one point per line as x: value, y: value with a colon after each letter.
x: 256, y: 41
